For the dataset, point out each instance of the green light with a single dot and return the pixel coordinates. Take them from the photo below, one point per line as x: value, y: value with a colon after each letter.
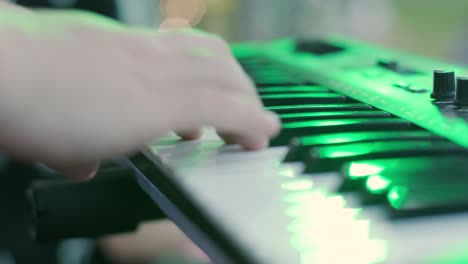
x: 279, y: 89
x: 338, y: 140
x: 318, y: 123
x: 358, y: 136
x: 299, y: 95
x: 377, y: 184
x: 397, y: 195
x: 358, y: 170
x: 333, y: 138
x: 311, y: 106
x: 315, y: 114
x: 339, y: 151
x: 338, y: 154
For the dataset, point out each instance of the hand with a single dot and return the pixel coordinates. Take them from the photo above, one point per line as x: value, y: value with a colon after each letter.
x: 77, y: 88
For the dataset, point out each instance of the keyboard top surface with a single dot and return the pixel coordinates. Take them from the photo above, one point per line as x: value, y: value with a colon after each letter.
x: 351, y: 108
x: 276, y: 214
x: 355, y: 72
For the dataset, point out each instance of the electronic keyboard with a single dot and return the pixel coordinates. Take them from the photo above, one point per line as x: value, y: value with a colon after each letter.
x: 370, y: 165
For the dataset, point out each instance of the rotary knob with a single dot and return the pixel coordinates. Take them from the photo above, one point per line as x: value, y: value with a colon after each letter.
x: 462, y: 92
x: 444, y: 85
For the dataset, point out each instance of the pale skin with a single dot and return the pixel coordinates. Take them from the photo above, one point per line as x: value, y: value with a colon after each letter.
x: 77, y: 89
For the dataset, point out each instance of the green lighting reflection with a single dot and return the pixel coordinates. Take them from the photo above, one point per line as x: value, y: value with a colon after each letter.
x: 317, y: 114
x: 397, y: 195
x: 377, y: 184
x: 327, y: 139
x: 298, y: 95
x: 280, y: 89
x: 343, y: 151
x: 359, y: 170
x: 311, y: 106
x: 318, y: 123
x: 358, y: 136
x: 338, y: 154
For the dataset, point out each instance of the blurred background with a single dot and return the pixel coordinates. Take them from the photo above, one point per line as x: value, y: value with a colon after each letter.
x: 433, y: 28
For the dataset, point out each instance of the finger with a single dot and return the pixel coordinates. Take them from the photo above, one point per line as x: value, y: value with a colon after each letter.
x: 254, y: 142
x: 242, y: 120
x: 79, y: 172
x: 190, y: 134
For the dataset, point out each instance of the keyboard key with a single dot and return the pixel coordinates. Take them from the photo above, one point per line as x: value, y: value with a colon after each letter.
x: 356, y: 173
x: 278, y: 82
x: 333, y: 157
x: 307, y: 108
x: 305, y: 128
x: 407, y: 200
x: 414, y: 170
x: 293, y: 89
x: 302, y: 98
x: 297, y: 117
x: 298, y: 147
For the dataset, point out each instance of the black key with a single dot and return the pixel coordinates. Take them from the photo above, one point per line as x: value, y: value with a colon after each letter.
x: 333, y: 157
x: 302, y: 98
x: 402, y: 169
x: 293, y: 89
x: 298, y: 129
x: 277, y: 77
x: 298, y: 147
x: 278, y: 82
x: 429, y: 198
x: 268, y: 73
x: 375, y: 177
x: 356, y: 173
x: 307, y: 108
x: 298, y: 117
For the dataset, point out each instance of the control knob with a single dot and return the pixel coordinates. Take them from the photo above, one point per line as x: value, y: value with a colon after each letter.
x: 462, y: 92
x: 444, y: 85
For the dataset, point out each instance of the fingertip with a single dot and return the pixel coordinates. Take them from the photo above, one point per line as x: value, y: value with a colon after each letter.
x: 249, y: 143
x: 262, y: 144
x: 257, y: 144
x: 274, y: 123
x: 75, y: 172
x: 81, y: 174
x: 190, y: 135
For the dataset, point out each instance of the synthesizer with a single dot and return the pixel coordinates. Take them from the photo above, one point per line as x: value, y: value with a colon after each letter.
x: 370, y: 165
